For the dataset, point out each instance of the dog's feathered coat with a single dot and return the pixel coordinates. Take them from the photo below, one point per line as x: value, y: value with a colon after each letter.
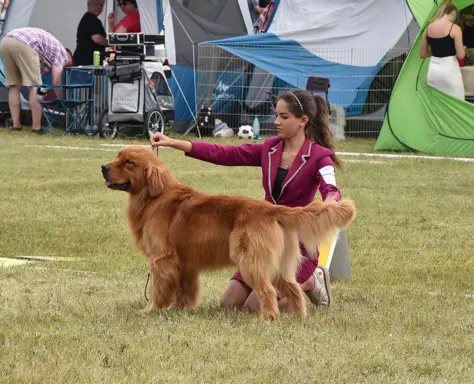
x: 183, y: 231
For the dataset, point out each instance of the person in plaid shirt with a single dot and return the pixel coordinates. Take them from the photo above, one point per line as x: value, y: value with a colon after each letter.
x: 27, y: 54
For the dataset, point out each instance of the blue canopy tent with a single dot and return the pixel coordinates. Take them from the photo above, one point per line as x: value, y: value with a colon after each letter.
x: 345, y: 41
x: 349, y: 83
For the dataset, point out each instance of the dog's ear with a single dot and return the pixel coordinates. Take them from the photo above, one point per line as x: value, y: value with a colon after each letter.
x: 154, y: 182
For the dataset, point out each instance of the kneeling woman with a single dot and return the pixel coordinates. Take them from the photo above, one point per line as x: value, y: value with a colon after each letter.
x: 445, y: 40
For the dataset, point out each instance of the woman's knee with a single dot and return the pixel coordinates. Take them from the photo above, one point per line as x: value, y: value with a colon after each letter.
x: 235, y: 295
x: 251, y: 304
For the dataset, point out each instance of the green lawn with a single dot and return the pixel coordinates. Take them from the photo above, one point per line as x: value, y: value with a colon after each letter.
x: 403, y: 318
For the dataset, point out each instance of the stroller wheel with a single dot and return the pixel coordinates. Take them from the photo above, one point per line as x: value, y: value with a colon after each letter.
x: 106, y: 129
x: 154, y: 122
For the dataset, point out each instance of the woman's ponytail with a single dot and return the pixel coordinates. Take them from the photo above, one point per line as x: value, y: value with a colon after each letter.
x: 319, y: 130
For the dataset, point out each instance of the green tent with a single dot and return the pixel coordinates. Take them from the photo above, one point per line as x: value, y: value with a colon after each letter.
x: 419, y: 117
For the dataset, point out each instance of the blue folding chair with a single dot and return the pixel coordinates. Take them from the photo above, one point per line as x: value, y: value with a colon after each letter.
x: 75, y: 105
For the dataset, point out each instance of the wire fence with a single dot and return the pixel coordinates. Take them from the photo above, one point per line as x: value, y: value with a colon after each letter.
x: 237, y: 91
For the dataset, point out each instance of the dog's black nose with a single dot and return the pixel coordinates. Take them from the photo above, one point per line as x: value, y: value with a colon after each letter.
x: 105, y: 168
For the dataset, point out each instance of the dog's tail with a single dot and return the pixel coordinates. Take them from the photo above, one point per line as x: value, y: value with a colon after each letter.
x: 317, y: 221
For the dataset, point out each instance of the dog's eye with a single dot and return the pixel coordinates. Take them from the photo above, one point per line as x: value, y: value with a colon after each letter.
x: 128, y: 162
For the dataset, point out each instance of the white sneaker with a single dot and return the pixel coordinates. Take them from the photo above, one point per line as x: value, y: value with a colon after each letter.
x: 320, y: 295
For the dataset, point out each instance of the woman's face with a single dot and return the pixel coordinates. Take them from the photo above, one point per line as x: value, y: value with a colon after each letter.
x: 287, y: 124
x: 97, y: 7
x: 126, y: 6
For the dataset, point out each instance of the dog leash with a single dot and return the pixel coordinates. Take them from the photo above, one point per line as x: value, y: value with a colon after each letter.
x: 156, y: 150
x: 146, y: 286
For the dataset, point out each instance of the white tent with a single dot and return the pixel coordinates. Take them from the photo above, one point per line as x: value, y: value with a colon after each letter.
x: 61, y: 17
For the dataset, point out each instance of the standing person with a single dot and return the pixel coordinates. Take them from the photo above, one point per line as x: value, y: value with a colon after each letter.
x: 256, y: 8
x: 446, y: 43
x: 91, y: 35
x: 295, y: 164
x: 261, y: 5
x: 130, y: 23
x: 27, y: 54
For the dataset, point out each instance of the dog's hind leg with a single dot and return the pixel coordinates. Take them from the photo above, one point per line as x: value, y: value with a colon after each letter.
x: 255, y: 249
x: 293, y: 293
x: 165, y: 278
x: 266, y: 293
x: 286, y: 281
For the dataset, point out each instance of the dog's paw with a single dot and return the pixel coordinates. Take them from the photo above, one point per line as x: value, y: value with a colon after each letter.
x: 147, y: 310
x: 271, y: 317
x: 269, y: 314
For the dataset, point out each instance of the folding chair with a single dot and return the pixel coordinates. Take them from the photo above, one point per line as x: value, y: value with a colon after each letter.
x: 75, y: 105
x: 319, y: 85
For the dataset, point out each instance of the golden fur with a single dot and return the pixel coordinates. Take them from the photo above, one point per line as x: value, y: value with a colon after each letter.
x: 183, y: 231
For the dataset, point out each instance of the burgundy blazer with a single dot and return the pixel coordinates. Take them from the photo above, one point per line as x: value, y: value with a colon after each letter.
x: 312, y: 168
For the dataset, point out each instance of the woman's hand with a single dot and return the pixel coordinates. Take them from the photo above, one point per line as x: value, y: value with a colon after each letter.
x: 160, y: 140
x: 111, y: 18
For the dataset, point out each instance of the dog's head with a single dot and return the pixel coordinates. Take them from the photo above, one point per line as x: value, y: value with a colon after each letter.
x: 134, y: 170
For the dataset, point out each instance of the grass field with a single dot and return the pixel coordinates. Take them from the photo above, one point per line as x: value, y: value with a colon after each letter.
x: 404, y: 317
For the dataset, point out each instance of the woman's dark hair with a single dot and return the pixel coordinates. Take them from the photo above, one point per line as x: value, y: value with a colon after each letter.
x: 302, y: 103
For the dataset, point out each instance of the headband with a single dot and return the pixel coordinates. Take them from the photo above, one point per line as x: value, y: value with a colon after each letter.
x: 298, y: 100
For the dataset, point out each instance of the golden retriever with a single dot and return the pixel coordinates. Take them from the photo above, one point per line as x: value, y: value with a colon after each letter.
x: 183, y: 231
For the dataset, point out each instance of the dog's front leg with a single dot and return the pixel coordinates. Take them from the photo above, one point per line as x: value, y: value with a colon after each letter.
x: 164, y: 275
x: 188, y: 293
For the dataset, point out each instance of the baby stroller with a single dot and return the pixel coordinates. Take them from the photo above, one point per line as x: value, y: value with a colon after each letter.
x: 132, y: 100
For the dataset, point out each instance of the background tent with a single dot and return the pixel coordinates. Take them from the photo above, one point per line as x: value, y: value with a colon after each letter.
x: 344, y: 40
x: 187, y: 23
x: 420, y: 117
x: 61, y: 18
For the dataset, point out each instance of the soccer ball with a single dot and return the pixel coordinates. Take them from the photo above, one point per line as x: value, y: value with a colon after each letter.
x: 245, y: 132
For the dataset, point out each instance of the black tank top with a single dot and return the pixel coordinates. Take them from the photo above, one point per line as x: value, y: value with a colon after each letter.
x: 278, y: 185
x: 442, y: 46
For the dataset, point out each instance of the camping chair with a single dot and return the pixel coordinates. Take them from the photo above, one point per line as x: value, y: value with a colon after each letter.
x: 319, y: 85
x: 76, y: 104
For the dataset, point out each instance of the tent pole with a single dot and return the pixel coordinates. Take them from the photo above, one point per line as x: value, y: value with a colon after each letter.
x: 194, y: 71
x: 195, y: 89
